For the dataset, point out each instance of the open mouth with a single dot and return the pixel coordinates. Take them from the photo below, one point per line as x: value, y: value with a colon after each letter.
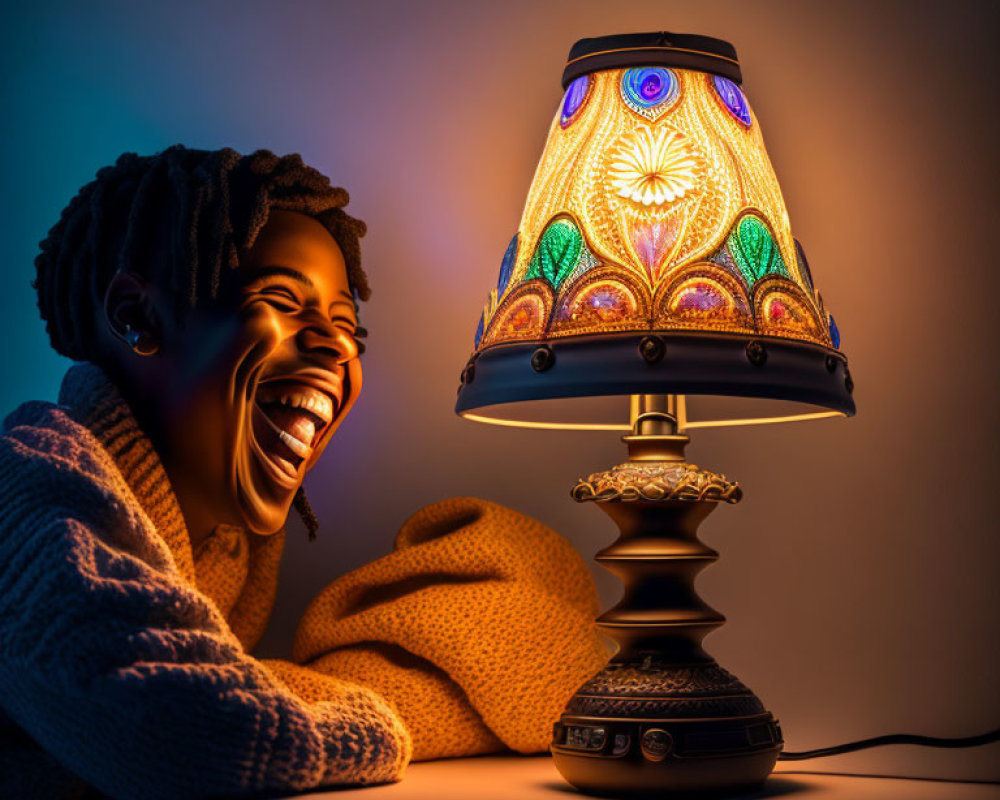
x: 289, y: 418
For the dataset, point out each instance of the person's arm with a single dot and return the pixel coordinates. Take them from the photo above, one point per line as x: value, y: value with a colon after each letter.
x: 132, y: 679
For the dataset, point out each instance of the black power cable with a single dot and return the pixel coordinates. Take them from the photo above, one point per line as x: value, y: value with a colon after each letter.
x: 894, y: 738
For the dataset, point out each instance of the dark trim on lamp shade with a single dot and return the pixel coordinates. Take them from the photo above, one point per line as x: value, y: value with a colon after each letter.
x: 656, y: 49
x: 691, y: 364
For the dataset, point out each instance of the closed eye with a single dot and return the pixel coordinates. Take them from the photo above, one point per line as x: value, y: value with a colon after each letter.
x: 359, y: 335
x: 345, y: 324
x: 280, y: 297
x: 285, y: 299
x: 280, y: 291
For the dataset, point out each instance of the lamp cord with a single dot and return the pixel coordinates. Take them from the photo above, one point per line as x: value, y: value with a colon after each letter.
x: 894, y: 738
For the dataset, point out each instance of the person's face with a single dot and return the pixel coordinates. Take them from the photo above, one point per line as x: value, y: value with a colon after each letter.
x: 253, y: 386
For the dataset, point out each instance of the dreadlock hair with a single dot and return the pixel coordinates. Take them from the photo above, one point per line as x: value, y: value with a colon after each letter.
x: 176, y: 219
x: 301, y: 504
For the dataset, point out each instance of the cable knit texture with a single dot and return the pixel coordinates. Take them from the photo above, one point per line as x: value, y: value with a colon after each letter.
x: 124, y: 655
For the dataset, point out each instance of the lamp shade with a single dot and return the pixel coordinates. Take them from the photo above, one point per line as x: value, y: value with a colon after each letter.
x: 655, y: 254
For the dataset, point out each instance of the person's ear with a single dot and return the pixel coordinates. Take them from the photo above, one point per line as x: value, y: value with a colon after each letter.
x: 131, y: 315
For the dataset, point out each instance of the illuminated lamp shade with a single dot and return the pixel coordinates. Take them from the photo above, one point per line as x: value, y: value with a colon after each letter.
x: 655, y: 226
x: 655, y: 260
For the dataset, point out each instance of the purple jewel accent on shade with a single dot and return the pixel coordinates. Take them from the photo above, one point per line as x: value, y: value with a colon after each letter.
x: 507, y: 265
x: 576, y: 93
x: 479, y: 332
x: 733, y: 99
x: 604, y: 299
x: 834, y: 334
x: 702, y: 299
x: 646, y: 87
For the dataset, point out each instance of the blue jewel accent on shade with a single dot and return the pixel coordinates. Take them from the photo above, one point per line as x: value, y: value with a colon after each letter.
x: 834, y: 334
x: 733, y: 99
x: 507, y: 265
x: 479, y: 332
x: 576, y: 93
x: 647, y: 87
x: 803, y: 264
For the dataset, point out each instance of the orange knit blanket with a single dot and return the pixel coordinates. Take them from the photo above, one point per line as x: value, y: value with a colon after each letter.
x: 478, y: 628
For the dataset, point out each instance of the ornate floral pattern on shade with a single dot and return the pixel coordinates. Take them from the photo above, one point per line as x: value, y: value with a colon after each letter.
x: 654, y: 208
x: 704, y: 298
x: 524, y: 315
x: 602, y: 300
x: 653, y: 167
x: 701, y: 298
x: 782, y: 309
x: 601, y: 304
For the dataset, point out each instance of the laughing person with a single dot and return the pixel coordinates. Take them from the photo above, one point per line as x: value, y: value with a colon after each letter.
x: 211, y: 301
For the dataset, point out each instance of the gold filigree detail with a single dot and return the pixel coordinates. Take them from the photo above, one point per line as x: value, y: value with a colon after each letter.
x: 657, y: 481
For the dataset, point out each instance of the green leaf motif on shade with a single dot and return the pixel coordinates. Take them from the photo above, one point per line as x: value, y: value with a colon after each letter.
x: 557, y: 253
x: 754, y: 250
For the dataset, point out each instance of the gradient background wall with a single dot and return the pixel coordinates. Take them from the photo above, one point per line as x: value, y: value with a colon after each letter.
x: 859, y: 575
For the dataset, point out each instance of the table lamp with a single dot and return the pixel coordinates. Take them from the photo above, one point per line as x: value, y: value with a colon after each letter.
x: 654, y: 260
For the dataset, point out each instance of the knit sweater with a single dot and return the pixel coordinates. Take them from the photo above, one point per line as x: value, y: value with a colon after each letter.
x: 124, y: 655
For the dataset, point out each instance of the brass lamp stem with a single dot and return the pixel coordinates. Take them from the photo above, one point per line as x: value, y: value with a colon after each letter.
x: 655, y: 435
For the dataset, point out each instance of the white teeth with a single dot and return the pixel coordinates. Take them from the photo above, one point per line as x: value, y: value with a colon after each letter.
x: 310, y: 399
x: 298, y: 447
x: 294, y: 444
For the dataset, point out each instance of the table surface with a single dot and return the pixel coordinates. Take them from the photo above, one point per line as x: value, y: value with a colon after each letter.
x: 510, y: 777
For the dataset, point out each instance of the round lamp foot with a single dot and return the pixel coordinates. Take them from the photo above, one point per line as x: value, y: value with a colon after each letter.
x: 646, y: 726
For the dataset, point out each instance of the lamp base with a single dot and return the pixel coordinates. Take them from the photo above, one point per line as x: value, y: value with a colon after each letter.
x: 646, y: 726
x: 662, y: 717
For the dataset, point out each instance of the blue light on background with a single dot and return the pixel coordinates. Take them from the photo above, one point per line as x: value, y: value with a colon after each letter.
x: 84, y: 84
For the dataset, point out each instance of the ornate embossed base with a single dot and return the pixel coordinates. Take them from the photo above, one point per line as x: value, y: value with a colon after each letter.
x: 647, y: 726
x: 662, y: 717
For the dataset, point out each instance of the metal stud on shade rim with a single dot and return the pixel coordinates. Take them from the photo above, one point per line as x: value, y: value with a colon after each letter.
x: 655, y: 254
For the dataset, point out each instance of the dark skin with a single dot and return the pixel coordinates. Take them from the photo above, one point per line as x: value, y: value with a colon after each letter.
x: 241, y: 397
